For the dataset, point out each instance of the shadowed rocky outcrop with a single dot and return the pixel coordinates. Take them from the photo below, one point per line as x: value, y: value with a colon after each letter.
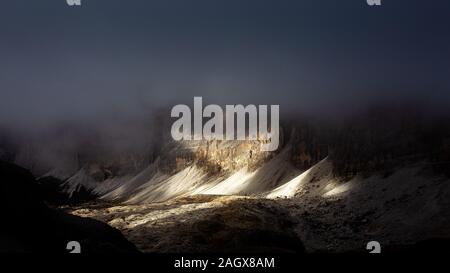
x: 28, y: 225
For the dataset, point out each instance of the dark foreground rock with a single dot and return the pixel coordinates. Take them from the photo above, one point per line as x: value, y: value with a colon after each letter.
x: 28, y: 225
x: 52, y: 192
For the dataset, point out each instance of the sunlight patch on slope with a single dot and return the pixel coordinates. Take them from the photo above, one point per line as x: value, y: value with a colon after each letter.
x: 290, y: 188
x: 134, y: 220
x: 233, y: 184
x: 79, y: 180
x: 336, y: 190
x: 320, y: 172
x: 111, y: 184
x: 180, y: 184
x: 129, y: 186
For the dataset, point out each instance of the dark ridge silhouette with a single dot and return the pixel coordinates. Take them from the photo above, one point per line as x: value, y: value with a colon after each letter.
x: 30, y: 226
x: 51, y: 191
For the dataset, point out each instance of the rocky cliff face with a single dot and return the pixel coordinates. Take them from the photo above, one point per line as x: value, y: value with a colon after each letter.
x: 379, y: 141
x: 223, y: 167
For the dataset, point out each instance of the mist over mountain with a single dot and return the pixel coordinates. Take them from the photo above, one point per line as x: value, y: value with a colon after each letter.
x: 110, y: 58
x: 85, y: 125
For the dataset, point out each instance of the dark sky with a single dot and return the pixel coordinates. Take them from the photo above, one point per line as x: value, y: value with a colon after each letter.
x: 115, y: 56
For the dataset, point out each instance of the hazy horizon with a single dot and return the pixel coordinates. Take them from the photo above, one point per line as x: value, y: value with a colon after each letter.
x: 111, y: 58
